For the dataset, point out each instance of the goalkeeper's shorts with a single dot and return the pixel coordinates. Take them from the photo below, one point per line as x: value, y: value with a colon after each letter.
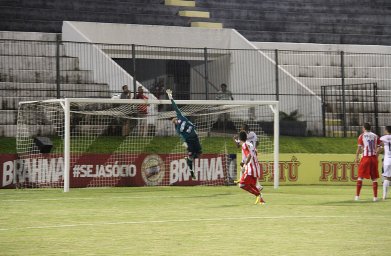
x: 194, y: 147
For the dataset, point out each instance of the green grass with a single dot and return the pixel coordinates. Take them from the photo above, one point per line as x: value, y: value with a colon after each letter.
x: 7, y: 145
x: 297, y: 220
x: 318, y: 145
x: 210, y: 145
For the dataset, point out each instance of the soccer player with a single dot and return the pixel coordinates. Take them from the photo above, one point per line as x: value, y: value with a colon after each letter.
x: 187, y: 132
x: 251, y: 169
x: 251, y: 138
x: 386, y: 143
x: 368, y: 143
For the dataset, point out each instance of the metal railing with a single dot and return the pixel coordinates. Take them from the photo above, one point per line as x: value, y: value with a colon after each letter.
x: 346, y: 108
x: 31, y: 70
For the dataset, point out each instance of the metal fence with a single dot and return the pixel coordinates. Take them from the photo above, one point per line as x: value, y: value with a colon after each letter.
x: 346, y: 108
x: 33, y: 70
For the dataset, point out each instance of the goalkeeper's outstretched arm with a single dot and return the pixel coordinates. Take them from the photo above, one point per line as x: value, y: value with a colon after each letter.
x: 177, y: 110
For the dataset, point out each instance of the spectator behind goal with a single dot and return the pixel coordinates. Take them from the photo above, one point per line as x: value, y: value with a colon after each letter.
x: 224, y: 94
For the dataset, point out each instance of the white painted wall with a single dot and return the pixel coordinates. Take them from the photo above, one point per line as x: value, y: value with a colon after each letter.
x: 188, y: 37
x: 265, y: 81
x: 218, y: 73
x: 91, y: 57
x: 153, y: 35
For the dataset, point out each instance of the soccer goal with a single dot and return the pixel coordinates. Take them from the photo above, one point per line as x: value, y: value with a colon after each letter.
x: 71, y: 143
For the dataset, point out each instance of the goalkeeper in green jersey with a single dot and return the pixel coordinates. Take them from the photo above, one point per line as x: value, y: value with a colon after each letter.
x: 187, y: 132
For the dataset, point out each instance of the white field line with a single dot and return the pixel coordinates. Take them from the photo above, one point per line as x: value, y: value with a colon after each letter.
x: 89, y: 198
x: 76, y: 225
x: 98, y: 198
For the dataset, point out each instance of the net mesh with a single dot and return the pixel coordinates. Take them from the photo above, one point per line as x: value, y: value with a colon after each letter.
x: 128, y: 144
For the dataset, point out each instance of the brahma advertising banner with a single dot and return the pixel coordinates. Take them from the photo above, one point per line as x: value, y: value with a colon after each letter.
x: 104, y: 170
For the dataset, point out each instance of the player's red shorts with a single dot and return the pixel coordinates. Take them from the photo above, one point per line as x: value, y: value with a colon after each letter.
x: 248, y: 179
x: 368, y: 168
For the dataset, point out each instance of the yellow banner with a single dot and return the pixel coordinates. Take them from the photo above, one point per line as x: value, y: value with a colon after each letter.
x: 312, y: 169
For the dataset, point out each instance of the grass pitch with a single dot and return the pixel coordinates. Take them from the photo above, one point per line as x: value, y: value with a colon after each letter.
x: 297, y: 220
x: 213, y: 144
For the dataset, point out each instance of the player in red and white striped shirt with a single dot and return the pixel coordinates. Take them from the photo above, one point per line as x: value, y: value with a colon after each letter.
x: 253, y: 140
x: 368, y: 143
x: 251, y: 169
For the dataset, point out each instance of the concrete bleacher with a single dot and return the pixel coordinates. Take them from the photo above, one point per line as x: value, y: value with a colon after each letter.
x: 28, y: 72
x: 311, y: 21
x: 315, y: 21
x: 317, y: 65
x: 47, y: 16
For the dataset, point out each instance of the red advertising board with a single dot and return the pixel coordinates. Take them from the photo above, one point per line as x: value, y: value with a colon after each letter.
x: 92, y: 170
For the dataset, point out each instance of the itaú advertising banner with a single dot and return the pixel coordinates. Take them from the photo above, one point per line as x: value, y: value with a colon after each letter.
x: 308, y: 169
x: 113, y: 170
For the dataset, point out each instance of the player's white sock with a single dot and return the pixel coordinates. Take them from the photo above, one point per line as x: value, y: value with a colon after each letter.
x: 386, y: 183
x: 259, y: 186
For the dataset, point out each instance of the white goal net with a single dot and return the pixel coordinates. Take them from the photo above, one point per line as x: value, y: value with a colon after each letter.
x: 71, y: 143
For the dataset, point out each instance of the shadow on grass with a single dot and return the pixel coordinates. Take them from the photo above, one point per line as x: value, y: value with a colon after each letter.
x: 224, y: 206
x: 208, y: 196
x: 349, y: 203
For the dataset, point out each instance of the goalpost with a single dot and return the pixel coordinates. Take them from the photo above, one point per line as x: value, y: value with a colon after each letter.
x: 116, y: 142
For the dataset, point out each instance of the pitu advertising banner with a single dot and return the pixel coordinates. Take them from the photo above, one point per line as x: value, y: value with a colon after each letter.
x: 313, y: 169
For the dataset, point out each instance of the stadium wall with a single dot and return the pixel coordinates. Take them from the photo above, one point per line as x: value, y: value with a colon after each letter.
x: 295, y: 169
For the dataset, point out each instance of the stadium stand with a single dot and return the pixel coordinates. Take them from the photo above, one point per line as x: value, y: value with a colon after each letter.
x: 28, y: 72
x: 358, y: 22
x: 312, y: 21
